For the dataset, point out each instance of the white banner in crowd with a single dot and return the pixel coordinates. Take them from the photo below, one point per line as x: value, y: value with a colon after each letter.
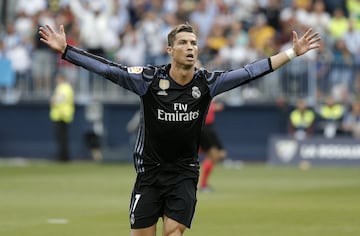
x: 284, y: 150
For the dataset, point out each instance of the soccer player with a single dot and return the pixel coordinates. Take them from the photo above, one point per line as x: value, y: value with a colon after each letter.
x: 174, y: 102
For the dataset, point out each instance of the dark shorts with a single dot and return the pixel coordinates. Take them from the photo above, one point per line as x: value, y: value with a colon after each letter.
x: 209, y: 139
x: 149, y: 202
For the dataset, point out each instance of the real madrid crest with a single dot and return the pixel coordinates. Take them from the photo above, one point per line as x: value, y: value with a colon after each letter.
x: 163, y: 84
x: 196, y: 93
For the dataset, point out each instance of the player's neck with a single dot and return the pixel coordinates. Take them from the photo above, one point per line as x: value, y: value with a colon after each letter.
x: 181, y: 75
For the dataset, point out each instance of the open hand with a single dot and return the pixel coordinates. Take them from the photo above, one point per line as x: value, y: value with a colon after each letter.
x: 306, y: 43
x: 56, y: 41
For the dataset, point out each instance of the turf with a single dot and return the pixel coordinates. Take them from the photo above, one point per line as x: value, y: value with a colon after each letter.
x: 88, y: 199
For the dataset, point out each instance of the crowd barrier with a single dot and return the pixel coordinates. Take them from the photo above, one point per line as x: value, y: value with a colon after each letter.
x: 297, y: 79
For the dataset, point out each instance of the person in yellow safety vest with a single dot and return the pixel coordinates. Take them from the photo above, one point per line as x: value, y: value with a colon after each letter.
x: 331, y: 114
x: 61, y: 114
x: 302, y: 120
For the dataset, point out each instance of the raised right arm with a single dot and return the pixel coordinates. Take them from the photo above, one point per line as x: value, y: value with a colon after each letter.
x: 130, y: 78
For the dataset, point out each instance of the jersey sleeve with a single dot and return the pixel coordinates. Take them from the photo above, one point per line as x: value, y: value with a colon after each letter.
x: 220, y: 82
x: 135, y: 79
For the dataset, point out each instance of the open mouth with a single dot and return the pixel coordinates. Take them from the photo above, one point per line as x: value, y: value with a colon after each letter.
x: 190, y: 56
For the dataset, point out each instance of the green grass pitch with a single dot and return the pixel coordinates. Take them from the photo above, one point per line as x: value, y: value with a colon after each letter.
x: 89, y: 199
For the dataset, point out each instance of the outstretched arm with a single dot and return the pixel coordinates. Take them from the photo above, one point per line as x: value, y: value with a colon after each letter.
x: 56, y: 41
x: 234, y: 78
x: 127, y: 77
x: 300, y: 46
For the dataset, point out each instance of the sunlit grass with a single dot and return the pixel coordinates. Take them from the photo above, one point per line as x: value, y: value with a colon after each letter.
x: 45, y: 198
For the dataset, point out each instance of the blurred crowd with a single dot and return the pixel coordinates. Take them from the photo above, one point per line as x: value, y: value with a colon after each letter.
x: 231, y: 33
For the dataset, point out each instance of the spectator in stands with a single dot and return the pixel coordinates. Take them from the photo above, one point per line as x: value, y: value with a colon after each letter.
x: 203, y: 17
x: 224, y: 17
x: 61, y: 114
x: 319, y: 18
x: 19, y: 53
x: 31, y: 8
x: 322, y: 61
x: 132, y: 44
x: 24, y: 25
x: 338, y: 25
x: 261, y: 34
x: 42, y: 55
x: 271, y: 10
x: 7, y: 78
x: 302, y: 9
x: 150, y: 29
x: 95, y: 34
x: 94, y: 23
x: 351, y: 121
x: 120, y: 16
x: 10, y: 36
x: 341, y: 72
x: 215, y: 41
x: 330, y: 117
x: 301, y: 120
x: 332, y: 5
x: 239, y: 34
x: 244, y: 11
x: 353, y: 7
x: 295, y: 76
x: 352, y: 43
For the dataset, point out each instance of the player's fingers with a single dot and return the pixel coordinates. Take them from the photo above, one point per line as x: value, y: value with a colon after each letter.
x: 43, y: 32
x: 43, y: 35
x: 295, y: 36
x: 62, y: 29
x: 314, y: 35
x: 314, y: 40
x: 51, y: 30
x: 313, y: 46
x: 307, y: 33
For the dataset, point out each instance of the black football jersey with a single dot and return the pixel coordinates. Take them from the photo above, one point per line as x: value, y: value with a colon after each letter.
x: 172, y: 115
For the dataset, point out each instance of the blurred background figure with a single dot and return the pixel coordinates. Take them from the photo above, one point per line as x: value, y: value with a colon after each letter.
x: 7, y: 79
x: 61, y: 114
x: 211, y: 146
x: 301, y: 120
x: 330, y: 116
x: 351, y: 121
x: 95, y: 132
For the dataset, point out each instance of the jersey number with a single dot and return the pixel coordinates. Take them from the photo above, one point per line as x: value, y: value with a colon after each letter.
x: 137, y: 197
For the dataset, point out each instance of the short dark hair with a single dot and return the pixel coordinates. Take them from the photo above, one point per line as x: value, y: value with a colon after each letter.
x: 179, y: 28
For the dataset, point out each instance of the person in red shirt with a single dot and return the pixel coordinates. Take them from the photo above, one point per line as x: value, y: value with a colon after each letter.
x: 211, y: 146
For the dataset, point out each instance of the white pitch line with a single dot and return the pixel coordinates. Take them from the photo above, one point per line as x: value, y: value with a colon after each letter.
x: 58, y: 221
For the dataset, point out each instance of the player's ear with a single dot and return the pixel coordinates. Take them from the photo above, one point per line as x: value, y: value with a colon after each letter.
x: 169, y: 50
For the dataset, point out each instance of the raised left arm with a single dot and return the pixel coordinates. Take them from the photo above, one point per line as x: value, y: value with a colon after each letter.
x: 300, y: 46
